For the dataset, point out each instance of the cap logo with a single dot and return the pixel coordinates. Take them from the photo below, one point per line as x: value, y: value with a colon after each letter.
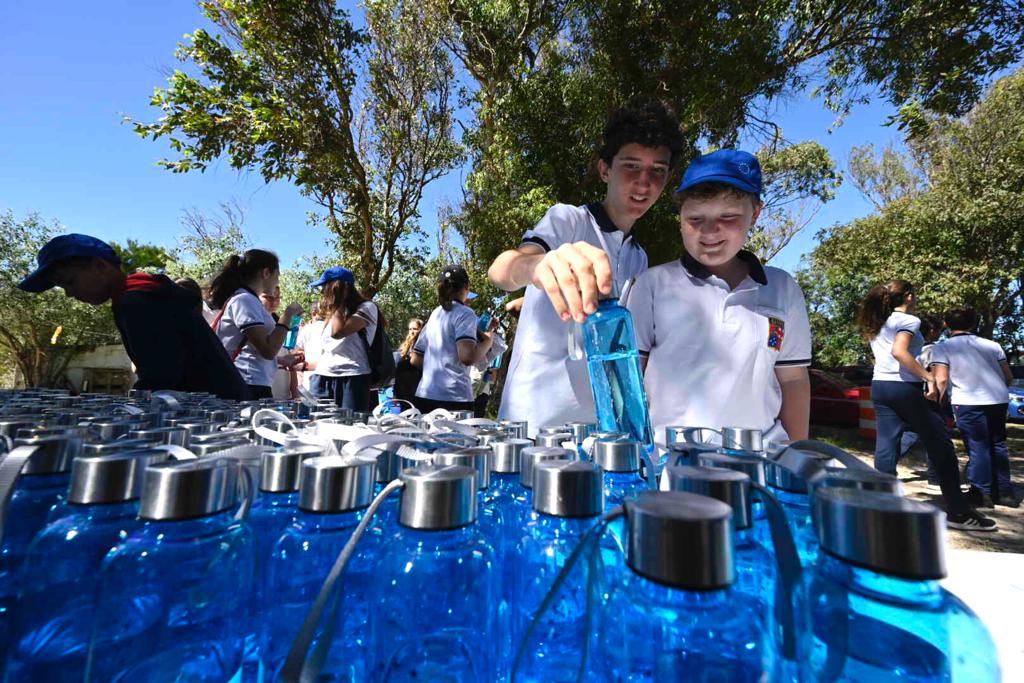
x: 744, y: 168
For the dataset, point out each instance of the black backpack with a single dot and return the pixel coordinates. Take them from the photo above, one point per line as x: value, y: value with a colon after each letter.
x: 380, y: 355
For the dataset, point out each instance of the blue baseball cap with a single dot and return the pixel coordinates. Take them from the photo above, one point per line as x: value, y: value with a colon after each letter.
x: 332, y: 274
x: 59, y: 249
x: 730, y: 166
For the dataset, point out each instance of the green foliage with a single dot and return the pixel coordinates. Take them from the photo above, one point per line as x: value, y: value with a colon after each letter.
x: 360, y: 120
x: 959, y: 239
x: 30, y: 320
x: 147, y: 257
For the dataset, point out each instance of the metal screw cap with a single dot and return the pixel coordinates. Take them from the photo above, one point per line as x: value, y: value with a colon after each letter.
x: 568, y: 488
x: 554, y: 440
x: 617, y: 456
x: 331, y: 484
x: 535, y: 454
x: 793, y: 468
x: 679, y: 539
x: 177, y: 436
x: 54, y: 453
x: 437, y: 497
x: 580, y: 430
x: 685, y: 453
x: 115, y: 478
x: 683, y: 434
x: 186, y: 489
x: 476, y: 458
x: 279, y: 470
x: 743, y: 439
x: 881, y: 532
x: 751, y: 465
x: 865, y: 480
x: 508, y: 455
x: 729, y: 486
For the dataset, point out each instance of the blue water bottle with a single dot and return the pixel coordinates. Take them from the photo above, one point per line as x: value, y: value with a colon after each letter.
x: 787, y: 479
x: 530, y: 456
x: 878, y: 613
x: 568, y: 500
x: 52, y: 623
x: 177, y: 594
x: 619, y: 460
x: 34, y: 478
x: 436, y: 590
x: 333, y: 495
x: 580, y: 432
x: 292, y: 338
x: 616, y: 379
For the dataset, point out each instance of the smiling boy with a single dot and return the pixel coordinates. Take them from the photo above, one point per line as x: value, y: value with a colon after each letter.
x: 573, y: 256
x: 725, y: 341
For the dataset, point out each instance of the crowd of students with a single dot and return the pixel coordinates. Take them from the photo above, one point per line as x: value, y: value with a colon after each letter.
x: 724, y: 340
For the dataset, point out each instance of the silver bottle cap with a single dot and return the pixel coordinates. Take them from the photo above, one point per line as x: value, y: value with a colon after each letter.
x: 332, y: 484
x: 222, y: 435
x: 463, y: 415
x: 554, y: 440
x: 679, y: 539
x: 54, y: 453
x: 279, y: 470
x: 535, y: 454
x: 516, y: 428
x: 115, y: 446
x: 488, y: 436
x: 551, y: 429
x: 729, y: 486
x: 508, y: 455
x: 751, y: 465
x: 31, y: 432
x: 743, y: 439
x: 683, y: 434
x: 686, y: 453
x: 437, y: 497
x: 477, y: 458
x: 116, y: 478
x: 793, y: 468
x: 176, y: 436
x: 617, y: 456
x: 568, y: 488
x: 865, y: 480
x: 112, y: 429
x: 9, y: 426
x: 186, y: 489
x: 881, y: 532
x: 580, y: 430
x: 214, y: 447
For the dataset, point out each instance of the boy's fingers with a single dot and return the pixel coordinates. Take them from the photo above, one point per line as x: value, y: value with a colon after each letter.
x: 569, y: 285
x: 602, y: 266
x: 587, y: 281
x: 547, y: 281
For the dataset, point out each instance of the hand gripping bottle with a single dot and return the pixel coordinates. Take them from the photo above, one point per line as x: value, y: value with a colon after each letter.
x: 674, y: 614
x: 878, y: 613
x: 177, y: 594
x: 34, y: 478
x: 616, y: 379
x: 436, y: 591
x: 568, y: 499
x: 52, y: 623
x: 333, y: 496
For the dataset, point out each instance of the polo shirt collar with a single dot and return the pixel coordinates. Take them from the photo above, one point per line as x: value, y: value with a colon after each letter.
x: 698, y: 270
x: 604, y: 221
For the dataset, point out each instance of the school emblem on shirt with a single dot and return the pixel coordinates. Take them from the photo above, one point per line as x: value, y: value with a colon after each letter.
x: 776, y: 333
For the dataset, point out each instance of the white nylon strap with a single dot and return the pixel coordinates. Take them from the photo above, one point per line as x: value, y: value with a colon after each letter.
x: 10, y: 472
x: 177, y: 452
x: 266, y: 414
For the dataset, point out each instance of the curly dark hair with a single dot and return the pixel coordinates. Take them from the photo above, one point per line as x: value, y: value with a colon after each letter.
x: 646, y: 121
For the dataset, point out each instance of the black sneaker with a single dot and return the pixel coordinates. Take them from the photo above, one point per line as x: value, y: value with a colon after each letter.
x: 976, y: 498
x: 971, y: 521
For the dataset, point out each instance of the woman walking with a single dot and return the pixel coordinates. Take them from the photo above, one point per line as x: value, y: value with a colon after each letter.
x: 900, y: 391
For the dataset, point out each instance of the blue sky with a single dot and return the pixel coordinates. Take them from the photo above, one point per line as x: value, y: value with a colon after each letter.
x: 71, y: 70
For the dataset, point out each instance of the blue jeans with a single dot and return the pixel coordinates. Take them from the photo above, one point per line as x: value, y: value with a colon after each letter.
x: 351, y: 392
x: 984, y: 430
x: 901, y: 406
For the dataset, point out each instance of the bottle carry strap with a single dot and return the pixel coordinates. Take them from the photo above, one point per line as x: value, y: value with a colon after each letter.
x: 848, y: 460
x: 10, y: 471
x: 788, y: 561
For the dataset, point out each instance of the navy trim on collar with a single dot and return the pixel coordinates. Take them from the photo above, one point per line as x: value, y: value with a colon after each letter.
x: 699, y: 270
x: 604, y: 221
x: 250, y: 291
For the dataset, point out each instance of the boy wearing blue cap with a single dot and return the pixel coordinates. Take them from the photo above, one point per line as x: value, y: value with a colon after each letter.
x: 576, y: 255
x: 161, y: 323
x: 725, y: 341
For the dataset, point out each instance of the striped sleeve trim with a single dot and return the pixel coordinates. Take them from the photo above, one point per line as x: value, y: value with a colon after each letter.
x: 539, y: 241
x: 465, y: 338
x: 938, y: 362
x: 906, y: 329
x: 644, y: 353
x: 248, y: 325
x: 793, y: 363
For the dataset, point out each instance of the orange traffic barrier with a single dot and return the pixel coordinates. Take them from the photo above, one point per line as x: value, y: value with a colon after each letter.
x: 866, y: 424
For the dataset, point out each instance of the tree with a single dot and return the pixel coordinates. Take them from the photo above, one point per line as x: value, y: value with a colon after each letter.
x: 208, y: 241
x: 958, y: 238
x: 40, y: 333
x: 359, y: 119
x: 136, y: 256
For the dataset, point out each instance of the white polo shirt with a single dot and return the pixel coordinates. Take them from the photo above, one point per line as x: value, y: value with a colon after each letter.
x: 887, y: 368
x: 244, y: 311
x: 975, y: 372
x: 445, y: 378
x: 310, y: 340
x: 544, y: 386
x: 711, y: 351
x: 346, y: 357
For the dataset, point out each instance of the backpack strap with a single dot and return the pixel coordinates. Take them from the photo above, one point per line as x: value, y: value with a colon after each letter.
x: 215, y: 324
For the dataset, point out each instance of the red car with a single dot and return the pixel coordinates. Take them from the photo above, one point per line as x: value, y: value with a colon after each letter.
x: 834, y: 400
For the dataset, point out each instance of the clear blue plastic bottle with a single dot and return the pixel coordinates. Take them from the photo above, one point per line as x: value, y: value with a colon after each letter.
x: 436, y: 591
x: 178, y: 592
x: 333, y: 496
x: 616, y: 379
x: 52, y: 624
x: 568, y: 499
x: 43, y: 465
x: 619, y: 460
x: 292, y: 338
x: 878, y: 613
x: 674, y: 615
x: 788, y: 478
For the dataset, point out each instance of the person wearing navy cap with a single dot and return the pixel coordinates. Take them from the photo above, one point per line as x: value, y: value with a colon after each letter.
x: 343, y: 370
x: 724, y: 340
x: 160, y: 323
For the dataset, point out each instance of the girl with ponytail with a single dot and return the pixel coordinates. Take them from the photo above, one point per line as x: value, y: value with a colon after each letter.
x: 246, y: 329
x: 905, y: 396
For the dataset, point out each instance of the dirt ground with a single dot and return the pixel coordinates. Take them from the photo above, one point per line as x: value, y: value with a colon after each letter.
x: 912, y: 472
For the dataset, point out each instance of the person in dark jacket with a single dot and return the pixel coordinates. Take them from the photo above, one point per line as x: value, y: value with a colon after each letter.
x: 160, y: 322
